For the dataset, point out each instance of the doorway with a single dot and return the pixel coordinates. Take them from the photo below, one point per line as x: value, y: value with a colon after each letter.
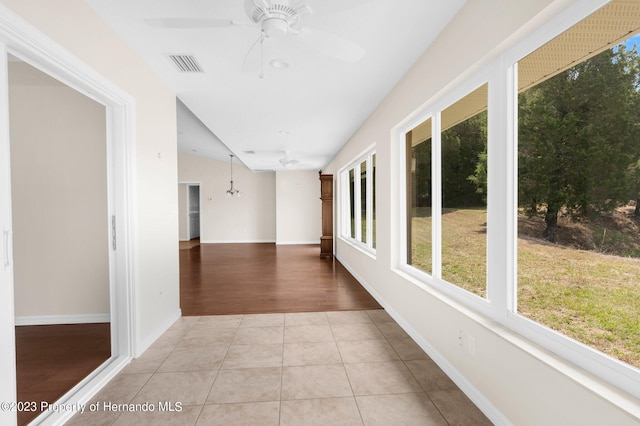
x: 194, y: 211
x: 116, y: 262
x: 189, y: 214
x: 60, y: 233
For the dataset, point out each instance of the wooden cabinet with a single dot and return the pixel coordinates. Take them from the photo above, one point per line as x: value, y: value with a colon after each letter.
x: 326, y: 195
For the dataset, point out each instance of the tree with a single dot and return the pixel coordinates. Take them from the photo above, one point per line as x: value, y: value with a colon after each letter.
x: 577, y: 138
x: 462, y: 148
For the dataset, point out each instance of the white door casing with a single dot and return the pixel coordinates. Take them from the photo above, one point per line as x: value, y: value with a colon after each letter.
x: 28, y: 44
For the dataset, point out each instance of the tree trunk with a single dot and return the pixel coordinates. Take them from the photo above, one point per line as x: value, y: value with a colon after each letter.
x: 551, y: 219
x: 636, y: 212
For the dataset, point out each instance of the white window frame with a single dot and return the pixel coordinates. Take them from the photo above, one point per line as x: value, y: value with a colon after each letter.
x: 501, y: 303
x: 433, y: 112
x: 345, y: 211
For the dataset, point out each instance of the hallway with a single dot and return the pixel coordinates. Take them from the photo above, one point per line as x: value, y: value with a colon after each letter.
x: 320, y: 368
x: 258, y: 278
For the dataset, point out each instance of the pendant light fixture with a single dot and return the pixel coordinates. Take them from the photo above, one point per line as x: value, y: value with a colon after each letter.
x: 231, y: 191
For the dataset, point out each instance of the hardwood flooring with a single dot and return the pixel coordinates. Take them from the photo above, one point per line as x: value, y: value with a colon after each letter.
x: 51, y: 359
x: 265, y: 278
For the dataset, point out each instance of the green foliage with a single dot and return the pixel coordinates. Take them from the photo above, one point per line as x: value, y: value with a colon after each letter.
x: 462, y: 147
x: 578, y: 137
x: 422, y: 179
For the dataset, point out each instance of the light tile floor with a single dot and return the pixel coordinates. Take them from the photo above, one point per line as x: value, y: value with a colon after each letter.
x: 326, y: 368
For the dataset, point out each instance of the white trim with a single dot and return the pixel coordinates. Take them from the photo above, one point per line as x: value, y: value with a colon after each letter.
x: 29, y: 44
x: 7, y: 326
x: 299, y: 243
x: 83, y: 392
x: 239, y: 241
x: 344, y: 208
x: 157, y: 332
x: 63, y: 319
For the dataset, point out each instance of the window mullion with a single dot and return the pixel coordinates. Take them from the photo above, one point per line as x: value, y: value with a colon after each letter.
x: 357, y: 208
x: 436, y: 194
x: 369, y: 197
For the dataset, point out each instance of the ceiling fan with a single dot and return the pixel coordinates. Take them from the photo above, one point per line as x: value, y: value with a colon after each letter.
x: 275, y: 19
x: 288, y: 162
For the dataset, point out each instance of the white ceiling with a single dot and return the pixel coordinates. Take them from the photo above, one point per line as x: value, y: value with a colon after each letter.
x: 308, y: 110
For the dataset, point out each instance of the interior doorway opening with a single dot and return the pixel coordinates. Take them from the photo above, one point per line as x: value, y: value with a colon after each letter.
x: 60, y: 234
x: 117, y: 218
x: 189, y: 214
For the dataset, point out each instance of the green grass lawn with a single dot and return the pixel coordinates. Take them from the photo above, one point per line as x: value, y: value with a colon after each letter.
x: 588, y: 296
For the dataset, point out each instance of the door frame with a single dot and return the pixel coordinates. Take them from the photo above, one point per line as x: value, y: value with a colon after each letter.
x: 186, y: 207
x: 189, y: 230
x: 20, y: 39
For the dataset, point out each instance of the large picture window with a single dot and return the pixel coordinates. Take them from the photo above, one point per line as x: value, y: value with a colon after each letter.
x: 579, y: 186
x: 358, y: 214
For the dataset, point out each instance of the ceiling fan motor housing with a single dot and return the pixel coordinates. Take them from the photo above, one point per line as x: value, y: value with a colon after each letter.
x: 277, y: 17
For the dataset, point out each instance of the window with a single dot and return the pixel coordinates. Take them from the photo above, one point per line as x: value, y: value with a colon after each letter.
x: 578, y: 186
x: 358, y: 216
x: 419, y: 196
x: 552, y: 192
x: 460, y: 215
x: 463, y: 182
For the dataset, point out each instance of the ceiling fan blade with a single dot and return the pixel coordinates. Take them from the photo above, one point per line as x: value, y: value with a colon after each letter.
x: 332, y: 45
x: 191, y: 23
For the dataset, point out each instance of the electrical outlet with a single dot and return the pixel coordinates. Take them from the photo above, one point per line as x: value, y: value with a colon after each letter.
x: 471, y: 345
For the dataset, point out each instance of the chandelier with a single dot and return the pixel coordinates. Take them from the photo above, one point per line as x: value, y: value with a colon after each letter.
x: 231, y: 191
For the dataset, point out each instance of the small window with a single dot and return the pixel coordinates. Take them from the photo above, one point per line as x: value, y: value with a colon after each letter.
x: 464, y: 192
x: 419, y: 196
x: 359, y: 210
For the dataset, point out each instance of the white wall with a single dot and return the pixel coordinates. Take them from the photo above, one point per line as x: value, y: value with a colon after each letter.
x: 509, y: 376
x: 59, y: 187
x: 298, y: 207
x: 249, y: 218
x: 76, y: 27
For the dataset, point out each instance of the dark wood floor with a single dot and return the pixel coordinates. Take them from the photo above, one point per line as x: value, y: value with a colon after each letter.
x: 265, y: 278
x: 51, y: 359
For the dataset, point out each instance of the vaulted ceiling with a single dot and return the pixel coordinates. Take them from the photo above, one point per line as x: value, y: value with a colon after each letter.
x: 295, y: 88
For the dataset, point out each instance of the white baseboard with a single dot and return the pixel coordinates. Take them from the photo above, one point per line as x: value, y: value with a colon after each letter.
x: 143, y: 345
x: 298, y: 243
x: 63, y: 319
x: 236, y: 241
x: 460, y: 380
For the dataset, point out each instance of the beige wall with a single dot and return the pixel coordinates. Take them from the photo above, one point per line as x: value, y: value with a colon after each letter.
x: 59, y: 199
x: 76, y: 27
x: 249, y: 218
x: 298, y: 207
x: 523, y: 383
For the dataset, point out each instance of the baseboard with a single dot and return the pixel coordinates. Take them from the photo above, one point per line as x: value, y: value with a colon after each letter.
x: 63, y: 319
x: 236, y: 241
x: 460, y: 380
x: 144, y: 344
x: 298, y: 243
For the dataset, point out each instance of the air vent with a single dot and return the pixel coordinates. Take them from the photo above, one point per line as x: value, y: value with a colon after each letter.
x: 249, y: 152
x: 186, y: 63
